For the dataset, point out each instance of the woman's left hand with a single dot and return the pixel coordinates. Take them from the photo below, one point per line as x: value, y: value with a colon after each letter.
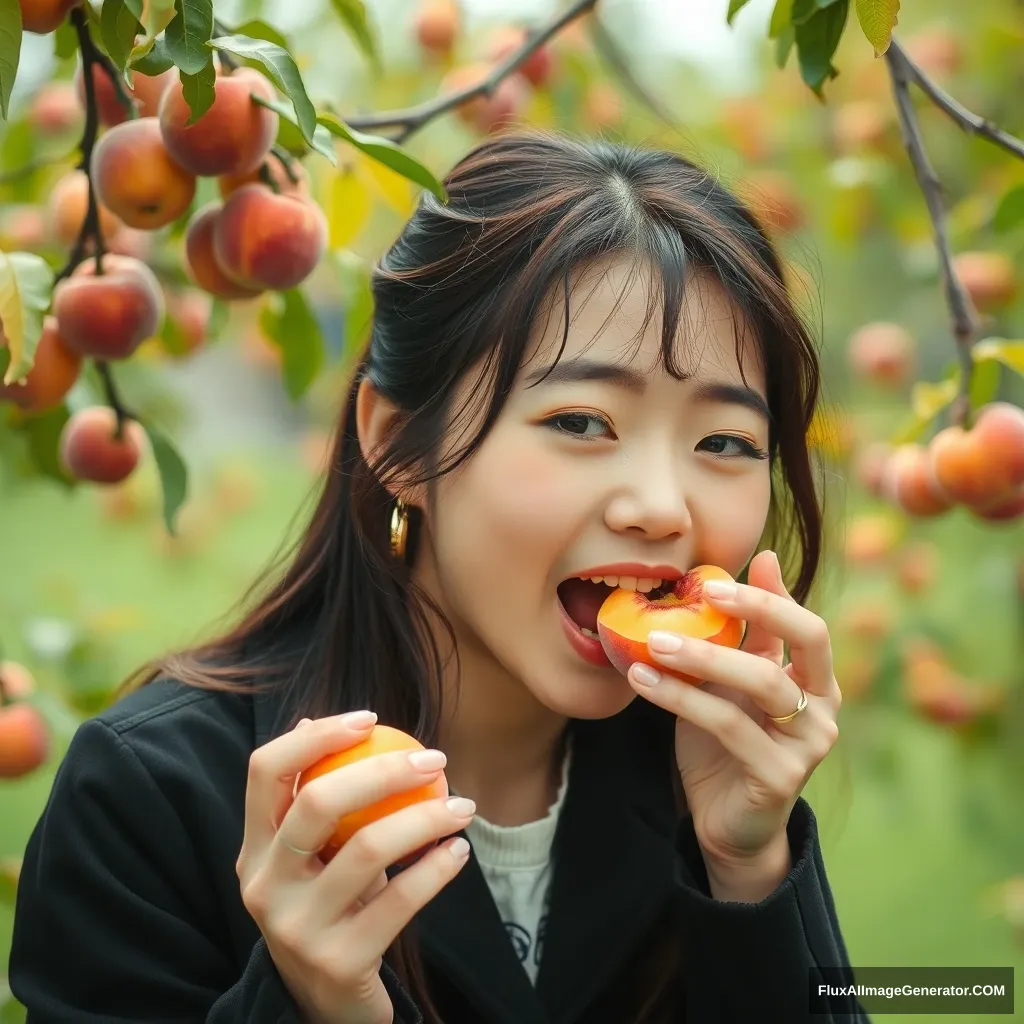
x: 742, y: 772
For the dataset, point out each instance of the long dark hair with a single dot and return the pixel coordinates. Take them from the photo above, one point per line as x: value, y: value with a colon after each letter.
x: 460, y: 288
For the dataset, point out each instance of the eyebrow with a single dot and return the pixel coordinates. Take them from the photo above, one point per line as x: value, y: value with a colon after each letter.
x: 575, y: 371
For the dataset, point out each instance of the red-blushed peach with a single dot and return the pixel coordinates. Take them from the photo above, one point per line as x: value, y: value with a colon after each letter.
x: 135, y: 177
x: 265, y: 240
x: 883, y: 353
x: 536, y: 69
x: 1005, y: 510
x: 54, y: 109
x: 22, y: 227
x: 190, y: 311
x: 232, y: 137
x: 602, y: 105
x: 628, y: 616
x: 107, y: 316
x: 145, y: 93
x: 907, y: 481
x: 90, y: 449
x: 16, y: 681
x: 44, y: 16
x: 990, y: 278
x: 486, y: 113
x: 53, y: 374
x: 68, y: 206
x: 228, y: 183
x: 24, y: 740
x: 201, y: 262
x: 383, y: 739
x: 437, y: 24
x: 870, y: 464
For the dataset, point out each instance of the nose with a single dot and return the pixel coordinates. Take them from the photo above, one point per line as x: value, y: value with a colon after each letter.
x: 654, y: 501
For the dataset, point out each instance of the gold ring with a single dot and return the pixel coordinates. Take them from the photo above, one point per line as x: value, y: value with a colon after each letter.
x: 801, y: 704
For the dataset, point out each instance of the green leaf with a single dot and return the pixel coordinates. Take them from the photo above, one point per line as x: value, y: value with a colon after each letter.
x: 386, y: 152
x: 1010, y: 211
x: 783, y: 46
x: 803, y: 10
x: 118, y: 28
x: 1009, y: 353
x: 154, y: 16
x: 353, y: 15
x: 173, y: 474
x: 199, y: 90
x: 42, y: 435
x: 26, y: 289
x: 282, y: 71
x: 9, y: 872
x: 156, y: 61
x: 259, y: 29
x: 928, y: 399
x: 65, y: 40
x: 877, y: 20
x: 187, y: 35
x: 735, y: 6
x: 985, y: 378
x: 294, y: 328
x: 293, y: 140
x: 781, y: 14
x: 817, y: 40
x: 10, y: 51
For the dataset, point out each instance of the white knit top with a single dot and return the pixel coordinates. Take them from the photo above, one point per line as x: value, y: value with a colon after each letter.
x: 516, y: 861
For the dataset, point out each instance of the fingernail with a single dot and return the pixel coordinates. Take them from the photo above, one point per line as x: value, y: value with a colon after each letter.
x: 720, y: 588
x: 459, y: 848
x: 645, y: 675
x: 303, y: 721
x: 664, y: 643
x: 360, y: 719
x: 427, y: 760
x: 461, y: 806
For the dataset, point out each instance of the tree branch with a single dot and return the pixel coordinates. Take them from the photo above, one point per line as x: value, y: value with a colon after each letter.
x: 228, y: 62
x: 116, y: 81
x: 411, y: 119
x: 31, y: 166
x: 113, y: 396
x: 965, y: 322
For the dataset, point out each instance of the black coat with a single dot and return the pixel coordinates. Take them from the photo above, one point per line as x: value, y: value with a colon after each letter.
x: 129, y: 909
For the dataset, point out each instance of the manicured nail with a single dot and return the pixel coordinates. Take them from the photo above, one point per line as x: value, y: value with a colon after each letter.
x: 461, y: 806
x: 303, y: 721
x: 360, y: 719
x: 427, y: 760
x: 664, y: 643
x: 459, y: 848
x: 645, y: 675
x: 720, y: 589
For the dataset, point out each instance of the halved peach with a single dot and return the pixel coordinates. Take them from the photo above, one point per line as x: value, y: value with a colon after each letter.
x: 627, y: 618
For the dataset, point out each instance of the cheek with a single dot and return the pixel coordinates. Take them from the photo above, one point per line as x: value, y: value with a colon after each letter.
x: 733, y: 527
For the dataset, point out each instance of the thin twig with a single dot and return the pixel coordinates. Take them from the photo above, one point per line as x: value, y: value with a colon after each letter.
x: 91, y: 225
x: 113, y: 396
x: 287, y: 161
x: 31, y: 166
x: 412, y: 119
x: 965, y: 321
x: 228, y: 61
x: 117, y: 82
x: 968, y: 121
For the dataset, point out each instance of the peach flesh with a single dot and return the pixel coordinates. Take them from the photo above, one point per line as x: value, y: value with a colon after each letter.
x: 627, y: 618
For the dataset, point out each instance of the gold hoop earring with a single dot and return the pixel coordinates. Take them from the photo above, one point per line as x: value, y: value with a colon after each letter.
x: 399, y: 528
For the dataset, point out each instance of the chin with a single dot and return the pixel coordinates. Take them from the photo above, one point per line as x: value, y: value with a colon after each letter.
x: 602, y: 693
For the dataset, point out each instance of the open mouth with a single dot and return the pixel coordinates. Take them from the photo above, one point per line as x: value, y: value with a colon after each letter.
x: 582, y: 598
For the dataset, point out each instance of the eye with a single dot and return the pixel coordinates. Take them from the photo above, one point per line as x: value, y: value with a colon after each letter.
x: 575, y: 424
x: 729, y: 446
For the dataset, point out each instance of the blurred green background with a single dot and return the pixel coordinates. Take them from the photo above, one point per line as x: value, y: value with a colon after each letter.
x: 922, y: 818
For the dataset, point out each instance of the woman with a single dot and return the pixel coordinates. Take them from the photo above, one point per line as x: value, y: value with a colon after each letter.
x: 585, y: 364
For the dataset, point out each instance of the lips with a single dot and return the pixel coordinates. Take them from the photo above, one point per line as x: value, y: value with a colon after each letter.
x: 638, y: 569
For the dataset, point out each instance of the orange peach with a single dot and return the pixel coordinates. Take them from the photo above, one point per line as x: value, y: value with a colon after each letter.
x: 907, y: 482
x: 16, y: 682
x: 108, y: 315
x: 536, y: 69
x: 232, y: 137
x: 1005, y: 510
x: 602, y: 105
x: 145, y: 93
x: 917, y: 567
x: 228, y: 183
x: 135, y: 177
x: 774, y: 202
x: 486, y: 113
x: 870, y: 539
x: 44, y: 16
x: 870, y: 466
x: 990, y: 278
x: 53, y: 374
x: 265, y: 240
x: 190, y: 311
x: 882, y: 352
x: 383, y: 739
x: 859, y: 125
x: 22, y: 227
x: 91, y: 450
x: 937, y: 50
x: 437, y: 23
x: 628, y: 616
x: 24, y: 740
x: 68, y: 206
x: 200, y: 261
x: 55, y: 109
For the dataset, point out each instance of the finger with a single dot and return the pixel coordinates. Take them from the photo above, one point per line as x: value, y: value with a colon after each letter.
x: 765, y: 572
x: 390, y: 839
x: 406, y: 894
x: 768, y: 686
x: 810, y: 646
x: 321, y: 803
x: 779, y: 769
x: 273, y: 767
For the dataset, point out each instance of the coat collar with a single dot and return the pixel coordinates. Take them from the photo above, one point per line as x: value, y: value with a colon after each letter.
x: 613, y: 874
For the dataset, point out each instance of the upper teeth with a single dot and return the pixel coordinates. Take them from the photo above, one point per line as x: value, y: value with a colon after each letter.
x: 643, y: 584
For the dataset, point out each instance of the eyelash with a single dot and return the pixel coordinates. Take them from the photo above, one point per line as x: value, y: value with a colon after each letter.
x: 749, y: 449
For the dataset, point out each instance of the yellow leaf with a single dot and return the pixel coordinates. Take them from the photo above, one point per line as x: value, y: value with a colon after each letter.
x: 348, y: 208
x: 928, y: 399
x: 1009, y: 353
x: 877, y: 20
x: 26, y: 284
x: 395, y: 190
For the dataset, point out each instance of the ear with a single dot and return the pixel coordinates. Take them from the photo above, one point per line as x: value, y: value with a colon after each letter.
x: 376, y: 416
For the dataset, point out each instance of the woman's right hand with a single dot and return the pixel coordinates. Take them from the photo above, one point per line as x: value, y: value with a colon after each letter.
x: 327, y: 926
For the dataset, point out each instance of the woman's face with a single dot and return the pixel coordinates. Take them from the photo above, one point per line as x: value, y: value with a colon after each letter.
x: 620, y: 464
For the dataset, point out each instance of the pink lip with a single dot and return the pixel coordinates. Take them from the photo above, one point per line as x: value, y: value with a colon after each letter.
x: 589, y: 649
x: 663, y: 572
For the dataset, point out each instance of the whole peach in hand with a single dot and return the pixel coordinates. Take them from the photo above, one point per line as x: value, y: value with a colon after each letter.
x: 383, y: 739
x: 627, y: 618
x: 265, y: 240
x: 108, y: 315
x: 232, y: 137
x: 135, y: 177
x: 90, y: 449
